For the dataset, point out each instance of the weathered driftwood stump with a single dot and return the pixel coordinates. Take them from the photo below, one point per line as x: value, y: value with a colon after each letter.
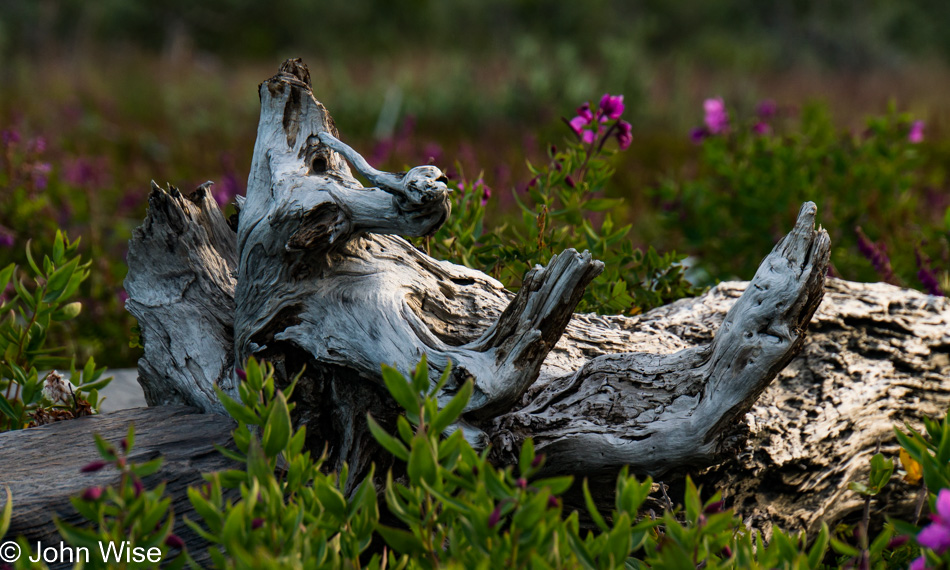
x: 316, y: 275
x: 321, y: 279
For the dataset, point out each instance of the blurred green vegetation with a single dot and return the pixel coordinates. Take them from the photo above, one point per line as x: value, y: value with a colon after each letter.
x: 839, y: 33
x: 104, y: 96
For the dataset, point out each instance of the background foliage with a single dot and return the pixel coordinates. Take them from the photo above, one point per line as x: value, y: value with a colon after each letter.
x: 99, y: 98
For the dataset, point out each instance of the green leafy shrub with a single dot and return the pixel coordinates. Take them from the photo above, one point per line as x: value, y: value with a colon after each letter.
x: 753, y: 176
x: 290, y: 514
x: 564, y: 206
x: 451, y: 508
x: 131, y: 523
x: 27, y: 314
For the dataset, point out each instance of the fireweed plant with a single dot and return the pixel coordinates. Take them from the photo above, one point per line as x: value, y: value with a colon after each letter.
x: 450, y: 508
x: 563, y: 206
x: 875, y: 190
x: 32, y: 303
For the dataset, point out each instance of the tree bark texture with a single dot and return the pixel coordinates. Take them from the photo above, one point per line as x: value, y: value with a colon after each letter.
x: 316, y: 275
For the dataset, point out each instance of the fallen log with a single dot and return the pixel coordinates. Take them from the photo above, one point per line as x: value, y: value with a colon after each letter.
x: 41, y: 466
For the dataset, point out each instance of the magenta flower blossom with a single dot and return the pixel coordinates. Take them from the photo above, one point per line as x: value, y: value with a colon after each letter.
x: 578, y: 123
x: 486, y: 190
x: 766, y: 109
x: 92, y: 494
x: 698, y: 135
x: 174, y: 541
x: 717, y: 118
x: 257, y: 523
x: 916, y: 134
x: 38, y: 145
x: 624, y: 135
x: 761, y: 128
x: 7, y: 238
x: 87, y: 173
x: 919, y: 563
x: 40, y: 175
x: 10, y: 137
x: 611, y: 106
x: 494, y: 517
x: 585, y: 113
x: 93, y: 467
x: 587, y: 123
x: 936, y: 536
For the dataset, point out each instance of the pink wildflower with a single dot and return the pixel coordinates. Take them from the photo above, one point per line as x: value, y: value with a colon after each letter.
x: 936, y: 536
x: 612, y: 106
x: 717, y: 118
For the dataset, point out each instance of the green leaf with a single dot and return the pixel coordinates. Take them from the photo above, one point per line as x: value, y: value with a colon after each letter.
x: 401, y: 541
x: 24, y: 294
x: 526, y: 457
x: 58, y: 281
x: 592, y: 508
x: 390, y: 443
x: 601, y: 204
x: 422, y: 465
x: 5, y: 275
x: 7, y: 513
x: 29, y: 259
x: 581, y: 551
x: 527, y: 515
x: 819, y: 548
x: 236, y: 409
x: 76, y: 536
x: 106, y: 450
x: 8, y: 411
x: 277, y: 430
x: 420, y: 376
x: 557, y: 485
x: 618, y: 540
x: 331, y: 499
x: 453, y: 409
x: 401, y: 390
x: 843, y: 548
x: 881, y: 471
x: 59, y: 248
x: 461, y: 507
x: 147, y: 468
x: 96, y: 385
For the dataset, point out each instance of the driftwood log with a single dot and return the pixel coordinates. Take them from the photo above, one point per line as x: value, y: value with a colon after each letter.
x: 323, y: 280
x: 40, y: 466
x: 313, y: 274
